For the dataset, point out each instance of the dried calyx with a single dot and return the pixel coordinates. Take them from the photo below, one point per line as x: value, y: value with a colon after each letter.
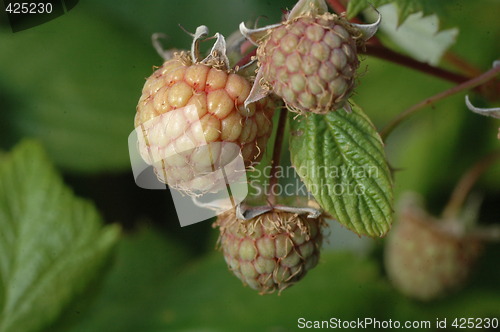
x: 223, y: 55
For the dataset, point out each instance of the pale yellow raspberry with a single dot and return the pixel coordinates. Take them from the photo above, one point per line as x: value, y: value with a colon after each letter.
x: 192, y: 119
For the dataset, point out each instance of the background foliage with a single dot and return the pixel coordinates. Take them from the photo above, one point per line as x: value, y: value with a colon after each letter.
x: 72, y: 85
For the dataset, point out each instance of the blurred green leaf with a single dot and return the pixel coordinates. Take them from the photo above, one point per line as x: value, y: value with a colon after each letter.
x: 52, y: 244
x: 165, y: 16
x: 206, y: 296
x: 342, y: 285
x: 76, y: 89
x: 341, y: 159
x: 405, y: 7
x: 202, y: 295
x: 153, y: 287
x: 134, y: 290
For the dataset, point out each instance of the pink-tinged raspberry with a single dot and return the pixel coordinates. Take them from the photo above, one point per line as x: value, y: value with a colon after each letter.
x: 194, y: 122
x: 311, y: 62
x: 309, y: 59
x: 424, y: 259
x: 271, y: 251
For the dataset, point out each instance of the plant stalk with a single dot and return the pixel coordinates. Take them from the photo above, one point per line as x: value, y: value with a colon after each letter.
x: 472, y: 83
x: 466, y: 183
x: 278, y: 144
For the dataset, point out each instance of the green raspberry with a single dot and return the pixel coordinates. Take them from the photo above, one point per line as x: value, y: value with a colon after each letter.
x: 272, y: 251
x: 311, y: 62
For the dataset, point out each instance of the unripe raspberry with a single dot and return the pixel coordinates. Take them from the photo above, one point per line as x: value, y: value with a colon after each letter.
x: 272, y: 251
x: 193, y: 122
x: 310, y: 59
x: 423, y: 259
x: 311, y: 62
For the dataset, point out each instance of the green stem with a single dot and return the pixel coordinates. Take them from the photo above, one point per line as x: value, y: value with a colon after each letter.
x: 466, y: 183
x: 247, y: 57
x: 461, y: 64
x: 485, y: 77
x: 491, y: 233
x: 339, y: 8
x: 278, y: 144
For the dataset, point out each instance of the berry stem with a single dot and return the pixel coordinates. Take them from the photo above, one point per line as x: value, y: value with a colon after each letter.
x: 382, y: 52
x: 466, y: 183
x: 491, y: 233
x: 472, y: 83
x: 278, y: 144
x: 461, y: 64
x: 247, y: 57
x: 339, y: 8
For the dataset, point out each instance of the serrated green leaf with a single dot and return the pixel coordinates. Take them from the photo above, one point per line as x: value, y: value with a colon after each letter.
x: 405, y: 7
x: 52, y: 244
x: 341, y: 159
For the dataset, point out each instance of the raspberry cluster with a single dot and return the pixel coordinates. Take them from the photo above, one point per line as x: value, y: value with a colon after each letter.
x: 197, y: 116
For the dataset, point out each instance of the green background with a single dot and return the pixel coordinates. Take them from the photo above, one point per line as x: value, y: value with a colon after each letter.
x: 73, y: 84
